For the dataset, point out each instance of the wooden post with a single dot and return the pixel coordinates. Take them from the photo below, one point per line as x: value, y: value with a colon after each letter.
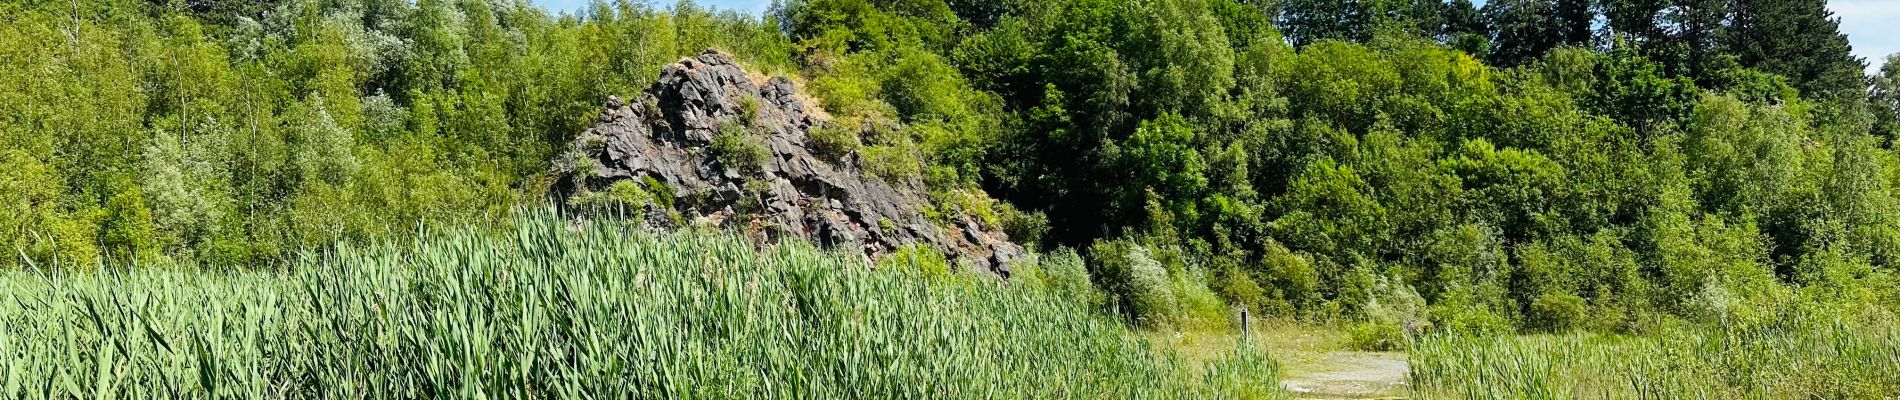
x: 1243, y: 322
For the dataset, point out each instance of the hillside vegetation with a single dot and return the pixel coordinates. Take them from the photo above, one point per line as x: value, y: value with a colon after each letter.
x: 1398, y: 167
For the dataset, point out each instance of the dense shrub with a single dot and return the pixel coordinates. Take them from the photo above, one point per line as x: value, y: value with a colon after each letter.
x: 1137, y: 285
x: 1558, y: 312
x: 835, y: 140
x: 1063, y: 274
x: 1376, y: 336
x: 735, y: 148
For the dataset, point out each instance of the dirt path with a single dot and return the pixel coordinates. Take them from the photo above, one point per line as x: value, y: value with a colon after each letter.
x: 1315, y: 362
x: 1345, y: 375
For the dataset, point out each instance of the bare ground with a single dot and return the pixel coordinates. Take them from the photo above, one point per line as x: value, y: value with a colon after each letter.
x: 1345, y: 374
x: 1314, y: 361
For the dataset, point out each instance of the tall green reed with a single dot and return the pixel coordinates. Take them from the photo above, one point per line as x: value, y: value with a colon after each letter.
x: 555, y: 308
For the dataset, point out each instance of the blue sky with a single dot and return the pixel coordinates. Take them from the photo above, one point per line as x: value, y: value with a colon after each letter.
x: 1872, y: 25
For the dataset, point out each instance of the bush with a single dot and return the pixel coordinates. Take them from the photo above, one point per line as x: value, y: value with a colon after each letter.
x: 920, y: 260
x: 1238, y: 287
x: 895, y: 163
x: 622, y: 196
x: 1557, y: 312
x: 1293, y: 279
x: 1199, y: 305
x: 1135, y: 282
x: 835, y: 140
x: 1064, y: 276
x: 1246, y: 374
x: 1461, y: 313
x: 736, y: 149
x: 1151, y: 293
x: 1027, y: 228
x: 1376, y: 336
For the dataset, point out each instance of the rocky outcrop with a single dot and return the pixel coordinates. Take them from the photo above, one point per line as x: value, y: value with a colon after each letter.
x: 665, y: 136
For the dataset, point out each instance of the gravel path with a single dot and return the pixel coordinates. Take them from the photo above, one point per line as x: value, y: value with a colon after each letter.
x: 1348, y: 375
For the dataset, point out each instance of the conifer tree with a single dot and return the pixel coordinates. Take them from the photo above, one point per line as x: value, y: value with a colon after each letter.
x: 1799, y: 39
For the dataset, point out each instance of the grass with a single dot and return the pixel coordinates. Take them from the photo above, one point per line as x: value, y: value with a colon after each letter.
x: 1794, y: 358
x: 559, y: 309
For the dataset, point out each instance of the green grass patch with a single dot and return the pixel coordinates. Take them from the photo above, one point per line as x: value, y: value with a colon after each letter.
x: 1795, y: 358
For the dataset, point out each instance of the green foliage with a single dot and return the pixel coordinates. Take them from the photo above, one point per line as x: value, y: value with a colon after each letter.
x: 236, y: 133
x: 1136, y: 283
x: 735, y: 148
x: 893, y: 163
x: 623, y: 196
x: 1199, y: 305
x: 921, y: 261
x: 1800, y: 40
x: 1885, y: 97
x: 1419, y: 164
x: 1239, y: 287
x: 835, y: 140
x: 1245, y: 375
x: 560, y: 308
x: 1064, y: 275
x: 1836, y: 359
x: 1293, y: 281
x: 1557, y: 312
x: 1376, y: 336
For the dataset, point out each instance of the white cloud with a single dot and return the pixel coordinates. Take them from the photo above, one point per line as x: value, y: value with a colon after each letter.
x: 1872, y: 26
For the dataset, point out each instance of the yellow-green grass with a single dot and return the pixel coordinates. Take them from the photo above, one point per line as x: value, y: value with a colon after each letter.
x: 1792, y: 358
x: 557, y: 309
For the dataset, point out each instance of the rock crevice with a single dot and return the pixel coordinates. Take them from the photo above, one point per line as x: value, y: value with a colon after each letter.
x: 665, y: 137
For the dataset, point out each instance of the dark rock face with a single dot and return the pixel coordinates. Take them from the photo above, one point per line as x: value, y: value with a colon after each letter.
x: 665, y: 135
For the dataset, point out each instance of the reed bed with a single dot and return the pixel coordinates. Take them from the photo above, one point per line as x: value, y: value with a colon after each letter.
x: 556, y: 309
x: 1794, y: 358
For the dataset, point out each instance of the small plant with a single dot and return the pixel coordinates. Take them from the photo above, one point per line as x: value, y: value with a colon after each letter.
x: 835, y: 140
x: 663, y: 195
x: 624, y: 196
x: 737, y: 149
x: 1064, y: 276
x: 749, y: 110
x: 1027, y: 228
x: 919, y: 260
x: 1376, y: 336
x: 1246, y: 374
x: 892, y: 163
x: 1799, y: 356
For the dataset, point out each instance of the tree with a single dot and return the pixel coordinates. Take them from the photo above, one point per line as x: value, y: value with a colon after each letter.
x: 984, y: 13
x: 1799, y: 39
x: 1525, y: 29
x: 1309, y: 21
x: 1163, y: 160
x: 1885, y: 96
x: 1638, y: 21
x: 1465, y: 28
x: 1697, y: 51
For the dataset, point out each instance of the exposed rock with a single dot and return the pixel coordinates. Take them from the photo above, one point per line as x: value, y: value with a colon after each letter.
x: 665, y: 136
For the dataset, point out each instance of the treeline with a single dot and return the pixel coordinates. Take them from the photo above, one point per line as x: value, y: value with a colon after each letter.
x: 237, y: 132
x: 1531, y: 164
